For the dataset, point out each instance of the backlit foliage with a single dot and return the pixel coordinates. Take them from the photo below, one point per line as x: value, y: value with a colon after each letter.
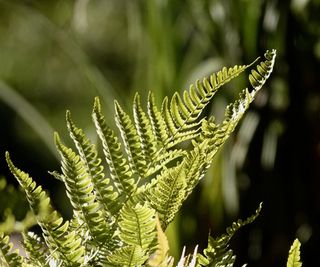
x: 121, y: 211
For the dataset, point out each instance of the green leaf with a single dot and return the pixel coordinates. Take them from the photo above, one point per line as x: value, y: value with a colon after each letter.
x: 105, y: 192
x: 167, y: 195
x: 7, y: 256
x: 35, y: 249
x: 218, y: 253
x: 132, y: 143
x: 80, y: 191
x: 62, y: 243
x: 137, y: 226
x: 127, y: 256
x: 294, y: 255
x: 118, y: 166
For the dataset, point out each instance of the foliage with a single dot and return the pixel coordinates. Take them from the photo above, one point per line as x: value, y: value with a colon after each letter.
x: 119, y: 220
x: 294, y: 255
x: 14, y: 213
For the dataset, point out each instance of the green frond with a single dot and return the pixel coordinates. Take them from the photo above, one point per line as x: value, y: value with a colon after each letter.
x: 181, y: 115
x: 164, y: 159
x: 80, y: 192
x: 137, y: 226
x: 174, y: 124
x: 159, y: 126
x: 217, y: 253
x: 128, y: 256
x: 132, y: 143
x: 259, y: 76
x: 7, y: 256
x: 160, y: 257
x: 167, y: 195
x: 119, y: 169
x: 294, y: 255
x: 89, y: 156
x: 196, y: 166
x: 35, y: 249
x: 64, y: 245
x: 144, y: 130
x: 119, y: 221
x: 217, y: 134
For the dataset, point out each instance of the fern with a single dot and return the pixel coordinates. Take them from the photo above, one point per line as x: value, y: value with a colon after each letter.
x: 294, y: 255
x: 63, y: 244
x: 35, y: 249
x: 218, y: 253
x: 119, y: 170
x: 121, y: 211
x: 7, y: 256
x: 80, y: 191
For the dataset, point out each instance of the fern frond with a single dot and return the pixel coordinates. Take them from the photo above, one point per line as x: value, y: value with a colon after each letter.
x: 137, y: 226
x: 217, y: 253
x: 119, y: 169
x: 89, y: 156
x: 181, y: 117
x: 63, y: 244
x: 218, y: 134
x: 159, y: 126
x: 165, y: 159
x: 80, y: 192
x: 128, y: 256
x: 195, y: 167
x: 7, y: 256
x: 259, y: 76
x: 35, y: 249
x: 131, y: 142
x: 144, y: 130
x: 294, y: 255
x: 160, y: 257
x: 167, y: 195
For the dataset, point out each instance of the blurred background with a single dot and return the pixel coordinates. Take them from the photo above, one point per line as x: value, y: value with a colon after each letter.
x: 58, y: 55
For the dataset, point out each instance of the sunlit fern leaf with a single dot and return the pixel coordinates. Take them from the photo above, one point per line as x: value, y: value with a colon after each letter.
x: 168, y: 193
x: 160, y: 257
x: 89, y: 156
x: 144, y: 130
x: 131, y: 142
x: 259, y: 76
x: 165, y: 158
x: 137, y: 225
x: 294, y: 255
x: 127, y: 256
x: 35, y: 249
x: 159, y: 126
x: 63, y: 244
x: 119, y: 169
x: 173, y: 122
x: 80, y: 191
x: 218, y: 134
x: 195, y: 167
x: 181, y: 116
x: 7, y: 256
x: 217, y: 253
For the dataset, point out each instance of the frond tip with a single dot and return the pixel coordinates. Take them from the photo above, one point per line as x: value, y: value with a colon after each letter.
x: 218, y: 253
x: 294, y: 255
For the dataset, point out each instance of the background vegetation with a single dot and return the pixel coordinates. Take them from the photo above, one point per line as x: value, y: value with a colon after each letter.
x: 58, y: 55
